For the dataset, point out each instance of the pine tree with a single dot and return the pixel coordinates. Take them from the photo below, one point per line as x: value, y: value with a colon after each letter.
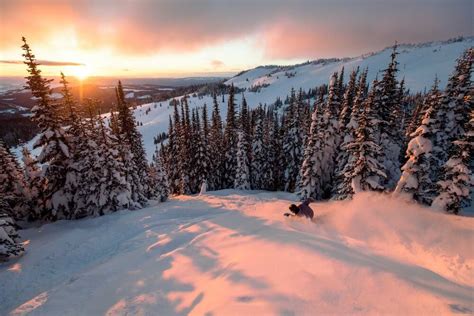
x: 364, y: 172
x: 12, y: 183
x: 292, y: 145
x: 242, y: 174
x: 200, y: 160
x: 185, y: 185
x: 455, y: 187
x: 10, y: 245
x: 246, y: 127
x: 457, y: 100
x: 114, y: 192
x: 348, y: 101
x: 388, y: 107
x: 275, y: 154
x: 311, y: 170
x: 420, y: 172
x: 131, y: 139
x: 34, y: 186
x: 230, y: 142
x: 174, y: 165
x: 330, y: 138
x: 353, y: 106
x: 159, y: 178
x: 340, y: 85
x: 259, y: 166
x: 52, y: 138
x: 216, y: 143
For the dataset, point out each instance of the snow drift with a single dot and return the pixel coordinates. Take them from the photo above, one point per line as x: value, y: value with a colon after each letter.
x: 232, y: 253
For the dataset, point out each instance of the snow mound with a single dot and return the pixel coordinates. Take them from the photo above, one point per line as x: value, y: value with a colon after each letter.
x: 232, y: 253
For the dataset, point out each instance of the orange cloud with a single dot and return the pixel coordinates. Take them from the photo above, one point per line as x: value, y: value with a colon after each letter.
x: 288, y: 29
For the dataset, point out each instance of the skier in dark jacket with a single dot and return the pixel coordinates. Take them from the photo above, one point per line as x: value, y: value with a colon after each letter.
x: 302, y: 210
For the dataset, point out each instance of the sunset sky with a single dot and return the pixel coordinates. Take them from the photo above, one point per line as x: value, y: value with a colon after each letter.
x: 160, y: 38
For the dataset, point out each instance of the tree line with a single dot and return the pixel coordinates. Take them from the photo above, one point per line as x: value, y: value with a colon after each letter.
x: 354, y: 137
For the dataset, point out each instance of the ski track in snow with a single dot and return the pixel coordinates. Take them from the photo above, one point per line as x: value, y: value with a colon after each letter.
x: 233, y: 253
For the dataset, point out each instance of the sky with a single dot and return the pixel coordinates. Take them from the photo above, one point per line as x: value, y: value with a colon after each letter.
x: 176, y: 38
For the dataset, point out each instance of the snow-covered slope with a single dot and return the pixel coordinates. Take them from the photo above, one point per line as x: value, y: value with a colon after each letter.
x: 233, y: 253
x: 418, y: 64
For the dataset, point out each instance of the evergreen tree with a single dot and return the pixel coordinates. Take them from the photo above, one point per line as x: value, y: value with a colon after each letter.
x: 292, y: 145
x: 216, y: 143
x: 159, y: 178
x: 200, y: 161
x: 230, y: 142
x: 131, y: 139
x: 363, y: 171
x: 259, y: 166
x: 421, y: 170
x: 311, y: 170
x: 34, y: 186
x: 10, y: 245
x: 115, y: 190
x: 185, y: 185
x: 391, y: 139
x: 348, y: 101
x: 11, y: 183
x: 456, y: 102
x: 242, y: 174
x: 52, y: 138
x: 455, y: 187
x: 353, y: 105
x: 174, y: 139
x: 330, y: 138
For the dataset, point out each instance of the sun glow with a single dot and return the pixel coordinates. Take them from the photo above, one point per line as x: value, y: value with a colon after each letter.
x: 82, y: 72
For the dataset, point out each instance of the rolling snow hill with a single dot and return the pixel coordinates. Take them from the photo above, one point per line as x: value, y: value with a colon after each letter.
x: 233, y: 253
x: 419, y: 64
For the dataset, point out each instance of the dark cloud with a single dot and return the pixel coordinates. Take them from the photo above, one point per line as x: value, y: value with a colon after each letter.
x: 285, y: 29
x: 44, y: 62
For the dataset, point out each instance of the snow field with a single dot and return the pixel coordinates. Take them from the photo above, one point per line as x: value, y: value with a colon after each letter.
x: 232, y: 253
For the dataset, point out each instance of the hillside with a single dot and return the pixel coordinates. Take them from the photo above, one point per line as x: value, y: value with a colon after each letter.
x: 232, y: 252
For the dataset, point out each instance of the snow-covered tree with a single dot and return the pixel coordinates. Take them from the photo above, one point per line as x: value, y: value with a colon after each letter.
x: 387, y: 103
x: 456, y: 102
x: 184, y: 158
x: 420, y: 172
x: 159, y: 178
x: 330, y: 138
x: 292, y: 144
x: 353, y: 98
x: 52, y: 139
x: 11, y: 183
x: 259, y: 166
x: 363, y: 171
x: 242, y: 173
x: 10, y: 245
x: 200, y: 161
x: 311, y: 170
x: 456, y: 184
x: 216, y: 143
x: 230, y: 142
x: 34, y: 186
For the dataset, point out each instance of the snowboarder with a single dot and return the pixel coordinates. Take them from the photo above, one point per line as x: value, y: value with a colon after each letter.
x: 302, y: 210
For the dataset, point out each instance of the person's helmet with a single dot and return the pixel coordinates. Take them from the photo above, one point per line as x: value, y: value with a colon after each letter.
x: 295, y: 209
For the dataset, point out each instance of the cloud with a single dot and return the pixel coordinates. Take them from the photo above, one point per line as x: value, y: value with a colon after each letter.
x: 44, y: 62
x: 285, y: 29
x: 217, y: 63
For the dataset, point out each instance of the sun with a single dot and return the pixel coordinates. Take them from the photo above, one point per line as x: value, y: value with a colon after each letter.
x: 82, y: 72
